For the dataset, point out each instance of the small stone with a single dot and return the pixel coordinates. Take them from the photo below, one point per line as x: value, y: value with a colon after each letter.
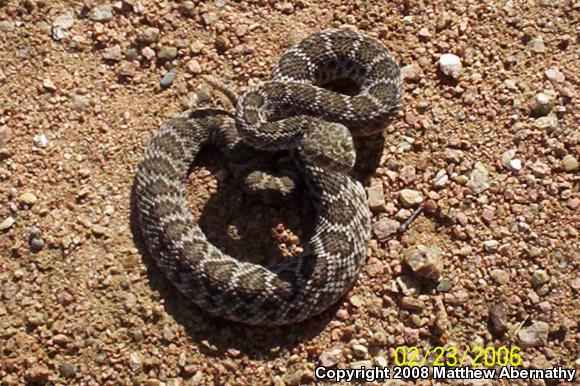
x: 412, y: 304
x: 6, y: 26
x: 48, y: 85
x: 444, y: 285
x: 196, y: 47
x: 168, y: 335
x: 7, y: 223
x: 148, y: 53
x: 38, y: 375
x: 150, y: 35
x: 453, y: 155
x: 331, y: 357
x: 507, y: 156
x: 441, y: 179
x: 168, y: 78
x: 131, y: 54
x: 451, y: 65
x: 409, y: 285
x: 385, y: 227
x: 36, y: 244
x: 221, y: 44
x: 102, y: 13
x: 285, y: 8
x: 478, y: 179
x: 27, y: 198
x: 67, y: 370
x: 98, y: 230
x: 65, y: 20
x: 554, y: 75
x: 5, y: 135
x: 60, y: 339
x: 376, y: 196
x: 167, y: 53
x: 80, y: 103
x: 570, y: 163
x: 540, y: 277
x: 113, y: 53
x: 359, y: 351
x: 548, y: 123
x: 535, y: 335
x: 424, y: 260
x: 186, y: 8
x: 491, y: 245
x: 411, y: 72
x: 536, y: 44
x: 136, y: 362
x: 194, y: 67
x: 516, y: 164
x: 207, y: 18
x: 410, y: 198
x: 498, y: 316
x: 540, y: 169
x: 542, y: 103
x: 499, y: 276
x: 424, y: 33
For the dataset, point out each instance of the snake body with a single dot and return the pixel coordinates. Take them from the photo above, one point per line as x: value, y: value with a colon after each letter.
x: 290, y: 111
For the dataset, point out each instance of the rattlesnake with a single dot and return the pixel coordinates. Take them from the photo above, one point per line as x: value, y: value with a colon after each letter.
x: 291, y: 111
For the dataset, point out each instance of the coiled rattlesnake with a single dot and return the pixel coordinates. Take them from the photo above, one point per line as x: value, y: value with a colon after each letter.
x: 291, y: 111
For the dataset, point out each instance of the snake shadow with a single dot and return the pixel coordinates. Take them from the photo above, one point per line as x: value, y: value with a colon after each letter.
x: 246, y: 228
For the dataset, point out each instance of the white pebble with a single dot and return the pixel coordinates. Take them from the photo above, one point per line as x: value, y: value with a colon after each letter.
x: 516, y: 164
x: 41, y: 140
x: 451, y: 65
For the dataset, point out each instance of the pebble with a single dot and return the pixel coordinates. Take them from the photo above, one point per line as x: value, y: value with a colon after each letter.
x: 540, y: 277
x: 516, y: 164
x: 148, y: 53
x: 424, y: 33
x: 135, y: 362
x: 67, y: 370
x: 150, y: 35
x: 536, y: 44
x: 131, y: 53
x: 359, y: 351
x: 385, y: 227
x: 499, y: 276
x: 168, y: 335
x: 194, y: 67
x: 412, y: 304
x: 5, y: 135
x: 102, y: 13
x: 27, y: 198
x: 113, y: 53
x: 409, y: 285
x: 411, y: 71
x: 7, y: 223
x: 548, y: 123
x: 48, y: 85
x: 478, y: 179
x: 450, y: 65
x: 6, y: 26
x: 167, y: 53
x: 540, y: 169
x: 570, y: 163
x: 80, y: 103
x: 376, y: 195
x: 36, y: 244
x: 444, y: 285
x: 168, y: 78
x: 542, y: 103
x: 410, y: 198
x: 507, y: 156
x: 441, y: 179
x: 554, y: 75
x: 536, y: 335
x: 186, y: 8
x: 491, y: 245
x: 38, y: 375
x: 331, y: 357
x: 498, y: 316
x: 424, y: 260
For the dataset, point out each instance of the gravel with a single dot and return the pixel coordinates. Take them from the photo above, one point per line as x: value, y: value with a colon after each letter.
x: 81, y: 304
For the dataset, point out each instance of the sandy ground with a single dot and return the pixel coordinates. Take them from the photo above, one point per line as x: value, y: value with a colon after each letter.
x: 496, y: 169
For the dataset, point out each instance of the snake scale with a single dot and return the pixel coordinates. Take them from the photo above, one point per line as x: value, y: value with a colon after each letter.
x: 290, y: 111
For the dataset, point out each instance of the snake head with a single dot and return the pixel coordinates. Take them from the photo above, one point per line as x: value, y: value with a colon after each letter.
x: 329, y: 146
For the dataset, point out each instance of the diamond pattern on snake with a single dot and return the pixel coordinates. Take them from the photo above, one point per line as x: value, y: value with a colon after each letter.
x: 291, y: 111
